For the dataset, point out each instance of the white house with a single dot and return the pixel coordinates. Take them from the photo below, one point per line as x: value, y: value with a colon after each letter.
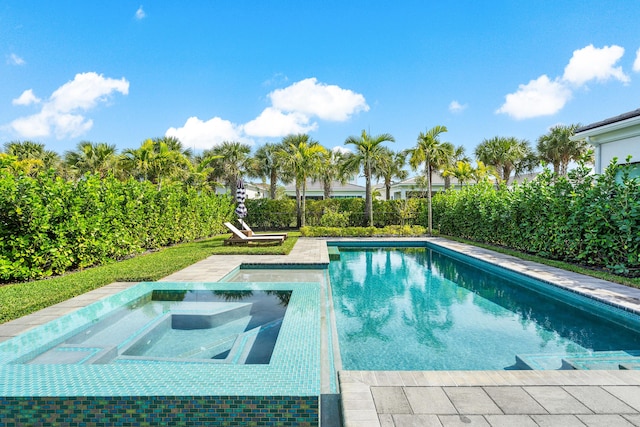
x: 410, y: 188
x: 614, y: 137
x: 315, y: 190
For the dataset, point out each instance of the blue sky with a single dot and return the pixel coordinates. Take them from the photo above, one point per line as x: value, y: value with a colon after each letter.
x: 254, y: 71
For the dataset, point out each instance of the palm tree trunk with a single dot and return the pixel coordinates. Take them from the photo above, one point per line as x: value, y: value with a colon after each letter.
x: 304, y: 204
x: 272, y: 184
x: 429, y: 209
x: 298, y: 207
x: 368, y: 205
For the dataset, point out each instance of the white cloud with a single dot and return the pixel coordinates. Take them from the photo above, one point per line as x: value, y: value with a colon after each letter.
x: 60, y: 114
x: 456, y: 107
x: 636, y: 63
x: 140, y: 13
x: 27, y: 98
x: 14, y: 59
x: 591, y: 63
x: 273, y: 123
x: 541, y: 97
x: 342, y: 149
x: 328, y: 102
x: 292, y: 111
x: 199, y: 134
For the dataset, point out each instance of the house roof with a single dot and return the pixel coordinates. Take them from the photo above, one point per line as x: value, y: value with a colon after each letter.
x: 335, y: 187
x: 435, y: 180
x: 611, y: 120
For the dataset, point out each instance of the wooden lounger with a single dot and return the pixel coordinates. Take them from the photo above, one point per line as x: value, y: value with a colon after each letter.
x: 238, y: 237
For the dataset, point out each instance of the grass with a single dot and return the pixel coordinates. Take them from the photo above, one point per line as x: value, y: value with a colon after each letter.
x: 599, y: 274
x: 20, y: 299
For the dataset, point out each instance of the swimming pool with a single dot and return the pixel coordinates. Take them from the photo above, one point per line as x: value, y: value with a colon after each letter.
x: 419, y: 308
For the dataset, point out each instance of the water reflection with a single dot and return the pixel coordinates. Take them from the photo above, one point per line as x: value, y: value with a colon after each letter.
x: 416, y: 308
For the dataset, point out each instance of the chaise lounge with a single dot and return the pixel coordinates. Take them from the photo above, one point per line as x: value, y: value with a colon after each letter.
x: 249, y: 232
x: 238, y: 237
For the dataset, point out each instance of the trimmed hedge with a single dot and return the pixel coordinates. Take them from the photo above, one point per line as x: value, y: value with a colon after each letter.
x: 49, y: 225
x: 389, y: 230
x: 586, y: 219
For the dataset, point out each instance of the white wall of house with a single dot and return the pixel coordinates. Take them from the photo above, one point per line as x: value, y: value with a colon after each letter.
x: 617, y: 137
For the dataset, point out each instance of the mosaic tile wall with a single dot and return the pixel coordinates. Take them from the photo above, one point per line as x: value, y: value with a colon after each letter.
x: 156, y: 411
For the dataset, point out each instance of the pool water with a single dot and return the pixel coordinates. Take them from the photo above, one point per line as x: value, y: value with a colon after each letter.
x: 213, y: 326
x: 420, y: 309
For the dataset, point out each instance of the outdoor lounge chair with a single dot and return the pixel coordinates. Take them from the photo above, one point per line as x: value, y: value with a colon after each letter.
x: 238, y: 237
x: 246, y: 229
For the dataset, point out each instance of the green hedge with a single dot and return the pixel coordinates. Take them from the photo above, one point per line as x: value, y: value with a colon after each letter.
x: 389, y: 230
x: 49, y: 225
x: 585, y: 219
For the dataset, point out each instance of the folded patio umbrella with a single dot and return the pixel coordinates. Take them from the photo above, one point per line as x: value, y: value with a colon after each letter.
x: 241, y: 194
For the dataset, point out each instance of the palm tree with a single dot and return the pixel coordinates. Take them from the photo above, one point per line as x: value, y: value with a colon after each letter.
x: 390, y: 167
x: 138, y: 162
x: 29, y: 150
x: 462, y: 172
x: 332, y: 170
x: 556, y: 148
x: 433, y: 153
x: 506, y: 155
x: 232, y: 162
x: 482, y: 172
x: 302, y: 157
x: 266, y: 165
x: 368, y: 154
x: 99, y: 158
x: 173, y: 144
x: 457, y: 155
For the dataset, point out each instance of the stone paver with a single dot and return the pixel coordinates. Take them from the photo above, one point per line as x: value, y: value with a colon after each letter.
x: 600, y: 420
x: 557, y: 420
x: 390, y: 400
x: 429, y: 400
x: 510, y: 421
x: 556, y: 400
x: 628, y: 394
x: 514, y: 400
x: 463, y: 421
x: 599, y: 400
x: 405, y: 420
x: 471, y: 400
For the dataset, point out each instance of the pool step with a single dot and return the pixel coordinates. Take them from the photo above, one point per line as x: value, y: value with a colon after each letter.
x: 334, y: 253
x: 608, y: 360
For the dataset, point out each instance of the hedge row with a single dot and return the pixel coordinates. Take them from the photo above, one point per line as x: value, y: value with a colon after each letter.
x: 586, y: 219
x: 266, y: 214
x: 49, y: 225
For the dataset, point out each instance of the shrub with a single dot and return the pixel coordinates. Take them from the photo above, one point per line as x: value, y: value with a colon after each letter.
x: 582, y: 218
x: 50, y: 226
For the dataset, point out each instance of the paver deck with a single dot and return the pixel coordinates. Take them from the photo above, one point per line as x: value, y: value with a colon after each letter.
x: 444, y: 398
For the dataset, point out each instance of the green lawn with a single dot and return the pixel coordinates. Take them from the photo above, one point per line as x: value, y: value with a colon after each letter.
x: 23, y: 298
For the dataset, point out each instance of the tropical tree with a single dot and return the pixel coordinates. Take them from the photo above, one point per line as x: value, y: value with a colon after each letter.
x: 482, y: 172
x: 99, y: 158
x: 172, y: 144
x: 434, y: 154
x: 230, y: 162
x: 390, y: 167
x: 457, y: 155
x: 302, y: 157
x: 369, y: 153
x: 506, y: 155
x: 138, y: 162
x: 462, y: 172
x: 29, y: 151
x: 266, y: 165
x: 332, y: 170
x: 557, y: 148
